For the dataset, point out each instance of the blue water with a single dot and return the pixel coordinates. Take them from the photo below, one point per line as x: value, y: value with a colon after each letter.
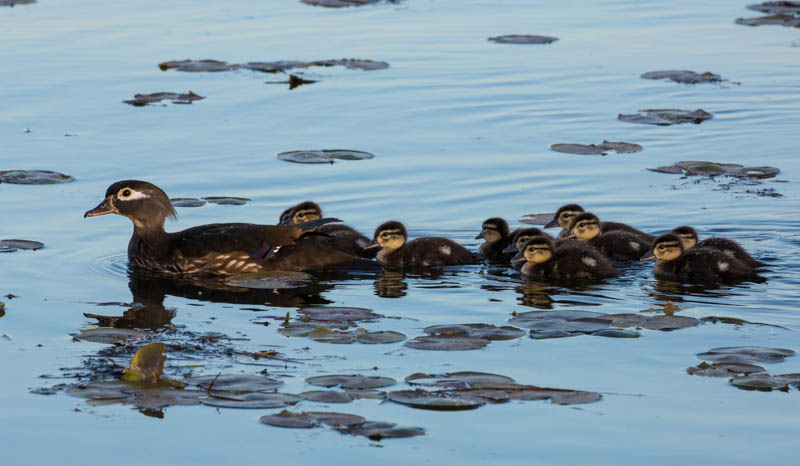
x: 461, y: 129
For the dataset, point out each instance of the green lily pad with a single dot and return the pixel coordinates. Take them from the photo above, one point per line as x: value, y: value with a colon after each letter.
x: 724, y: 369
x: 326, y: 335
x: 445, y: 343
x: 378, y: 431
x: 196, y: 66
x: 538, y: 219
x: 33, y: 177
x: 339, y: 314
x: 780, y: 19
x: 666, y: 117
x: 484, y: 331
x: 187, y: 202
x: 14, y: 244
x: 746, y: 354
x: 140, y: 100
x: 350, y: 381
x: 236, y: 382
x: 226, y: 200
x: 253, y: 400
x: 463, y: 379
x: 327, y: 396
x: 323, y: 156
x: 442, y: 400
x: 684, y: 76
x: 766, y: 382
x: 108, y: 335
x: 523, y: 39
x: 271, y: 280
x: 597, y: 149
x: 147, y: 364
x: 299, y: 329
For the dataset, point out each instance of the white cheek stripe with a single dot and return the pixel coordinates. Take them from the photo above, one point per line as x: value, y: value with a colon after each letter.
x: 135, y: 195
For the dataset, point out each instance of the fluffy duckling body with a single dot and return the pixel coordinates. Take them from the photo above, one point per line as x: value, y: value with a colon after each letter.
x: 731, y: 248
x: 564, y: 215
x: 421, y: 252
x: 618, y: 245
x: 569, y: 261
x: 215, y: 249
x: 496, y: 236
x: 341, y: 237
x: 696, y: 265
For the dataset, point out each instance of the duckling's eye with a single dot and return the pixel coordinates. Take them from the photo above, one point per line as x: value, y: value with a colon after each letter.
x: 581, y: 225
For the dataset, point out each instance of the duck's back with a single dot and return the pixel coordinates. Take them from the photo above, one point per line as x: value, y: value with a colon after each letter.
x: 730, y: 248
x: 433, y: 251
x: 705, y: 265
x: 573, y: 260
x: 605, y: 227
x: 347, y: 239
x: 620, y: 245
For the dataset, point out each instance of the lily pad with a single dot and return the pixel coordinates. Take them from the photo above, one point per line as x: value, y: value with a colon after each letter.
x: 33, y: 177
x: 597, y: 149
x: 339, y: 314
x: 666, y: 117
x: 352, y: 64
x: 14, y: 244
x: 351, y: 381
x: 290, y: 420
x: 16, y: 2
x: 140, y: 100
x: 108, y: 335
x: 746, y: 354
x: 255, y: 400
x: 147, y: 364
x: 724, y: 369
x: 766, y: 382
x: 226, y: 200
x: 187, y: 202
x: 142, y: 395
x: 323, y: 156
x: 236, y: 382
x: 485, y: 331
x: 684, y: 76
x: 523, y: 39
x: 538, y: 219
x: 464, y: 379
x: 445, y: 343
x: 327, y: 396
x: 336, y: 419
x: 377, y: 431
x: 787, y: 7
x: 323, y: 334
x: 705, y: 168
x: 339, y: 3
x: 366, y: 394
x: 780, y: 19
x: 658, y: 322
x: 196, y: 66
x: 532, y: 318
x: 272, y: 280
x: 441, y: 400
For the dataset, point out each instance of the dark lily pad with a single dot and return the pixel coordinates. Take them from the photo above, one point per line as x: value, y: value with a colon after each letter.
x: 323, y: 156
x: 236, y: 382
x: 377, y: 431
x: 339, y: 3
x: 328, y: 396
x: 352, y: 64
x: 666, y: 117
x: 746, y: 354
x: 615, y: 333
x: 187, y: 202
x: 336, y: 419
x: 196, y: 66
x: 351, y: 381
x: 323, y: 334
x: 14, y: 244
x: 538, y: 219
x: 256, y: 400
x: 684, y: 76
x: 523, y: 39
x: 33, y: 177
x: 299, y: 329
x: 442, y: 400
x: 485, y: 331
x: 108, y: 335
x: 273, y: 280
x: 140, y: 100
x: 142, y: 395
x: 290, y: 420
x: 147, y: 364
x: 16, y: 2
x: 787, y: 7
x: 705, y: 168
x: 359, y: 393
x: 658, y: 322
x: 226, y: 200
x: 445, y: 343
x: 780, y: 19
x: 532, y: 318
x: 381, y: 337
x: 766, y: 382
x: 597, y: 149
x: 464, y: 379
x: 724, y: 369
x: 339, y: 314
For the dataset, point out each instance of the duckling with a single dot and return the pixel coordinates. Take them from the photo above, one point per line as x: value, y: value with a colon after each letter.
x: 341, y: 237
x: 689, y: 238
x: 572, y: 260
x: 216, y: 249
x: 618, y: 245
x: 421, y: 252
x: 564, y: 215
x: 696, y: 265
x: 496, y: 236
x: 521, y: 236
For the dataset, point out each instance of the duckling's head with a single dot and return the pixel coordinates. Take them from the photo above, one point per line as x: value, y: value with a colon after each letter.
x: 142, y: 202
x: 305, y: 212
x: 390, y: 235
x: 493, y: 230
x: 585, y: 226
x: 286, y: 217
x: 688, y: 236
x: 538, y: 249
x: 668, y: 247
x: 523, y: 236
x: 564, y: 216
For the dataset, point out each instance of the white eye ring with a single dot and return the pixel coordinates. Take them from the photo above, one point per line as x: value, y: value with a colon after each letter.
x: 133, y: 195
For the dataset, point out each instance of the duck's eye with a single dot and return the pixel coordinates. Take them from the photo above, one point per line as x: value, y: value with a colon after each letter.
x: 125, y: 193
x: 581, y: 225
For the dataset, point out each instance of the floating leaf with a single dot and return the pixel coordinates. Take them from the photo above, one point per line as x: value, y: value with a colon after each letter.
x: 336, y: 419
x: 538, y: 219
x: 597, y: 149
x: 746, y: 354
x: 787, y: 7
x: 464, y: 379
x: 339, y: 314
x: 443, y: 400
x: 684, y: 76
x: 381, y: 337
x: 780, y: 19
x: 197, y: 65
x: 736, y: 321
x: 299, y: 329
x: 659, y: 322
x: 290, y: 420
x: 147, y: 364
x: 723, y: 369
x: 532, y: 318
x: 326, y: 335
x: 381, y: 430
x: 187, y: 202
x: 108, y: 335
x: 328, y: 396
x: 227, y: 200
x: 766, y: 382
x: 323, y: 156
x: 256, y: 400
x: 272, y: 280
x: 615, y: 333
x: 16, y: 2
x: 704, y: 168
x: 14, y: 244
x: 485, y: 331
x: 140, y: 100
x: 236, y: 382
x: 33, y: 177
x: 366, y: 394
x: 445, y: 343
x: 150, y: 396
x: 523, y: 39
x: 665, y: 117
x: 351, y: 381
x: 339, y: 3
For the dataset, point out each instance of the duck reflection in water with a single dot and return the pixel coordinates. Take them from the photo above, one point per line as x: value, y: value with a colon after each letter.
x: 391, y: 284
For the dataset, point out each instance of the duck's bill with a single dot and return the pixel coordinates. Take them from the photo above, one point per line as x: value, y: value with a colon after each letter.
x: 518, y: 259
x: 570, y: 236
x: 480, y: 236
x: 372, y: 245
x: 104, y: 208
x: 646, y: 258
x: 551, y: 224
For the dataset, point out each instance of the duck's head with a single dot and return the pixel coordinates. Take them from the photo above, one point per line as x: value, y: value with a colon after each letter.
x: 304, y: 212
x: 688, y: 236
x: 521, y: 237
x: 538, y: 250
x: 389, y: 236
x: 286, y: 217
x: 142, y: 202
x: 493, y: 230
x: 666, y: 248
x: 564, y: 216
x: 585, y: 226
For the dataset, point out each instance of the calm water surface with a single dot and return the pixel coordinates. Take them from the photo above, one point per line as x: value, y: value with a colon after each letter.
x: 461, y: 129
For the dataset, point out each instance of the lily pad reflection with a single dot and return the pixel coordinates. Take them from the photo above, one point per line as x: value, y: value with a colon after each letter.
x: 274, y: 280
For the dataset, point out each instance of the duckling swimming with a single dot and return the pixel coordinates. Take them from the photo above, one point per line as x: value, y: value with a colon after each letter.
x: 341, y: 237
x: 564, y: 215
x: 618, y: 245
x: 688, y: 236
x: 420, y: 252
x: 697, y: 265
x: 521, y: 236
x: 496, y: 236
x: 572, y: 260
x: 216, y: 249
